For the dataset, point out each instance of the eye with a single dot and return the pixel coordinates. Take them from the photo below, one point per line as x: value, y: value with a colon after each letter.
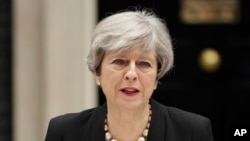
x: 144, y: 64
x: 118, y: 62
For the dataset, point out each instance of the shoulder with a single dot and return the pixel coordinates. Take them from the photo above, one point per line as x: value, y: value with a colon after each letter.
x: 69, y: 120
x: 185, y: 116
x: 179, y: 115
x: 198, y: 126
x: 188, y: 124
x: 72, y: 125
x: 74, y: 118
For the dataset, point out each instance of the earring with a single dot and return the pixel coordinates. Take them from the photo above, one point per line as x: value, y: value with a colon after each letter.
x: 155, y: 87
x: 98, y: 83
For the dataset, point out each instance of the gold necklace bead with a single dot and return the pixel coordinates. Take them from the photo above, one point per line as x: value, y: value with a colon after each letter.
x: 145, y: 132
x: 108, y: 136
x: 105, y: 127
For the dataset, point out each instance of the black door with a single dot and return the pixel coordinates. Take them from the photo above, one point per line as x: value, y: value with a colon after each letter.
x: 220, y: 93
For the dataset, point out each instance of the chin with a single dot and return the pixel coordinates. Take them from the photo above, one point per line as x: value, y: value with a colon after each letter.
x: 131, y: 104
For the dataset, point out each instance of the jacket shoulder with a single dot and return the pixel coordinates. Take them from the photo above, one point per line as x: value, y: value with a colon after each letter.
x: 181, y: 124
x: 176, y: 114
x: 197, y: 126
x: 70, y: 126
x: 185, y: 116
x: 74, y: 117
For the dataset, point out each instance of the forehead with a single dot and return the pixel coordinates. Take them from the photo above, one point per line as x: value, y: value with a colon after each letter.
x: 131, y: 52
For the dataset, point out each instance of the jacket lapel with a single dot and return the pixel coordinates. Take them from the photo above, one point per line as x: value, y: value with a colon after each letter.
x: 97, y: 131
x: 157, y: 129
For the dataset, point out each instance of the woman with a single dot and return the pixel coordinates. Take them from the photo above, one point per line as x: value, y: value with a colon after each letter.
x: 130, y: 52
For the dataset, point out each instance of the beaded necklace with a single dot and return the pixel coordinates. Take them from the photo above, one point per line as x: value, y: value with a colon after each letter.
x: 143, y: 137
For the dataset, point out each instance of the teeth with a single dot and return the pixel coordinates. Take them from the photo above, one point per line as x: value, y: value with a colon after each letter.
x: 130, y: 90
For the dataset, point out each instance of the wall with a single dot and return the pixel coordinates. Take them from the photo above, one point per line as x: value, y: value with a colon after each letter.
x: 50, y: 76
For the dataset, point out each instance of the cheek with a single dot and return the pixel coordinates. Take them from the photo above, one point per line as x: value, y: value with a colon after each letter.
x: 109, y: 75
x: 110, y: 81
x: 149, y: 80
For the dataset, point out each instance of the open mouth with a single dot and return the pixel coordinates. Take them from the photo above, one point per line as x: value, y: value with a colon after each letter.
x: 130, y: 91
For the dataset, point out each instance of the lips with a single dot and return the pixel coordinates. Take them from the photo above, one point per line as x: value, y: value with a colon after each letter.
x: 130, y: 91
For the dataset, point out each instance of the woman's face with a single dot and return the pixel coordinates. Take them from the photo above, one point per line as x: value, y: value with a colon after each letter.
x: 128, y: 79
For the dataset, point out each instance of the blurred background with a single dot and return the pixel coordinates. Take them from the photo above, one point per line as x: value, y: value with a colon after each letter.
x: 43, y: 46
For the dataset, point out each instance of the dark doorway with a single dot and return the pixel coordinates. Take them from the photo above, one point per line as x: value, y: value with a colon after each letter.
x: 221, y: 95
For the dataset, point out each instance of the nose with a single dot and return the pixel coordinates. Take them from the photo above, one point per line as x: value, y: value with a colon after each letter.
x: 131, y: 74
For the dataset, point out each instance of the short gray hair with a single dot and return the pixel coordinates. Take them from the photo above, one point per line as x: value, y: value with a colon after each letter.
x: 128, y: 29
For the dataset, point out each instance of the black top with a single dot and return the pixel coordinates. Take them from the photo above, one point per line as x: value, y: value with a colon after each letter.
x: 167, y: 124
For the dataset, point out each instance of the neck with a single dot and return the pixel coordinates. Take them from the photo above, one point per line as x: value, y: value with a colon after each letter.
x: 119, y: 115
